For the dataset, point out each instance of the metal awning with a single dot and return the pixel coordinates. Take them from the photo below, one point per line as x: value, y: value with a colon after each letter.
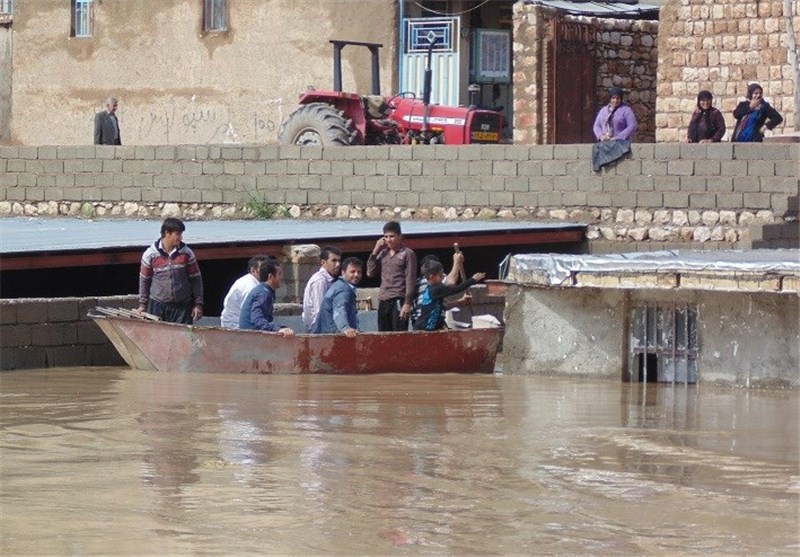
x: 615, y: 9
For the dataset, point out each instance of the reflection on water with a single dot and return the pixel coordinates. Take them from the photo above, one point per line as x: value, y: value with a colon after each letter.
x: 99, y: 461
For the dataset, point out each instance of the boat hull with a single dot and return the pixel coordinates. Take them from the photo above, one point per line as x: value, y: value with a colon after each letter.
x: 160, y: 346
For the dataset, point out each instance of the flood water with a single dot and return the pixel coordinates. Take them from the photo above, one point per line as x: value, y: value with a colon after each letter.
x: 99, y: 461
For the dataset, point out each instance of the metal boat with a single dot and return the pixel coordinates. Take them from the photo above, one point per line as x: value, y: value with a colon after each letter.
x: 152, y: 345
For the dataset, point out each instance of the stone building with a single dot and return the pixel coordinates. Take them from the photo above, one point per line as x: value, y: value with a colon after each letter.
x: 721, y: 46
x: 566, y: 57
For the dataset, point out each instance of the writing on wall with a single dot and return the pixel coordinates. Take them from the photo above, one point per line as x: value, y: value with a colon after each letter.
x: 193, y: 121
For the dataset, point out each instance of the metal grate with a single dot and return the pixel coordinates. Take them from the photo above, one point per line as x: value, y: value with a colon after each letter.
x: 663, y: 344
x: 82, y: 18
x: 445, y: 30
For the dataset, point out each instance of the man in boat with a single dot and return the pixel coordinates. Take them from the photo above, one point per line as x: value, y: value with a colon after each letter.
x: 398, y: 271
x: 432, y: 309
x: 170, y: 284
x: 450, y: 278
x: 232, y: 305
x: 259, y: 303
x: 339, y: 310
x: 329, y: 267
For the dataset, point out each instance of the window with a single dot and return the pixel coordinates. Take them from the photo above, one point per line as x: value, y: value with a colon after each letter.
x: 81, y: 18
x: 663, y: 344
x: 215, y: 15
x: 6, y: 7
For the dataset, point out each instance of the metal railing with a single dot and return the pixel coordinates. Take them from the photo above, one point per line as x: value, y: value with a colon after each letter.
x: 6, y: 7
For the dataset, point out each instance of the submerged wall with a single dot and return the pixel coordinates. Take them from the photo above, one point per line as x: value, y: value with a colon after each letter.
x: 746, y: 339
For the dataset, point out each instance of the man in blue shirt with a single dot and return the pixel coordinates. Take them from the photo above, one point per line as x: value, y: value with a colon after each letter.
x: 339, y: 311
x: 259, y: 303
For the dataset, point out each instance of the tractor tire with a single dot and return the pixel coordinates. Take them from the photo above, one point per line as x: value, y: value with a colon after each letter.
x: 316, y: 124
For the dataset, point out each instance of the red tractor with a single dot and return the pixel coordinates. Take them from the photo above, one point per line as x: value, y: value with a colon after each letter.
x: 337, y: 118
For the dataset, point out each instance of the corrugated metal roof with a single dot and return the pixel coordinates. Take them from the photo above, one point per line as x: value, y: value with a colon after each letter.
x: 30, y: 235
x: 610, y: 9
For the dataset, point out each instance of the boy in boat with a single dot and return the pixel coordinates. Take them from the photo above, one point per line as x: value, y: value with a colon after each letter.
x: 232, y: 305
x: 329, y: 268
x: 450, y: 278
x: 339, y: 311
x: 258, y: 305
x: 398, y: 270
x: 170, y: 284
x: 431, y: 316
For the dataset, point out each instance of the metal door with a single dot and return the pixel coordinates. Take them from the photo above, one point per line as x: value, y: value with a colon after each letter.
x: 444, y: 62
x: 574, y: 104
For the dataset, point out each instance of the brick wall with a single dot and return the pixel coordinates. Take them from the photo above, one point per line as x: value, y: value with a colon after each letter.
x: 665, y: 194
x: 54, y: 332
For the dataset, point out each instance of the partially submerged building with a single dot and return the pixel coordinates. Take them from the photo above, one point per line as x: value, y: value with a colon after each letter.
x: 726, y: 317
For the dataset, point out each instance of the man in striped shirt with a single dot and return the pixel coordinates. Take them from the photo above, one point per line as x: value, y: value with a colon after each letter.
x: 170, y: 284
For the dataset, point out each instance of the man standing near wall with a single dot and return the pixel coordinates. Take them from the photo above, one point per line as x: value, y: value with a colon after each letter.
x: 106, y: 125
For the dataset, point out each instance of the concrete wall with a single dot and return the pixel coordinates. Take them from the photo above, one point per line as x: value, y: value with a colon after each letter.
x: 176, y: 83
x: 49, y: 332
x: 583, y: 332
x: 663, y: 196
x: 721, y: 46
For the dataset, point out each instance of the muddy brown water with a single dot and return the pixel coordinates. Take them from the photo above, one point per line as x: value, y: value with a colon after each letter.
x: 99, y: 461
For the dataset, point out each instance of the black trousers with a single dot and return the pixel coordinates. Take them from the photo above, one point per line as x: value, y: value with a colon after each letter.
x: 389, y: 315
x: 172, y: 313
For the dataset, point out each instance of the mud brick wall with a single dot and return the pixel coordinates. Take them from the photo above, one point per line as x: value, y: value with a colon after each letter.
x: 55, y: 332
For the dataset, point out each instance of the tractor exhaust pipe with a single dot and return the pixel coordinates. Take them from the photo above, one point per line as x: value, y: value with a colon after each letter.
x: 426, y: 87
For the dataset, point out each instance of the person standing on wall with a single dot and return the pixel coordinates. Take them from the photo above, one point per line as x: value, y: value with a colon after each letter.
x: 106, y: 124
x: 752, y: 115
x: 170, y: 284
x: 398, y: 271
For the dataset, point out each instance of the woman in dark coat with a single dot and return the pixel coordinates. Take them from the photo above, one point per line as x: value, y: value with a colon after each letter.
x: 752, y: 115
x: 707, y: 124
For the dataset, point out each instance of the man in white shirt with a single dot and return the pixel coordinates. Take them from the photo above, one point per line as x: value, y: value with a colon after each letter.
x: 318, y: 284
x: 232, y: 306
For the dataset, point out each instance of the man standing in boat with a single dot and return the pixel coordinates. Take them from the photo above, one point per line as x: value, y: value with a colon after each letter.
x: 257, y: 308
x: 398, y: 269
x: 170, y: 284
x: 339, y: 310
x: 318, y: 284
x: 232, y: 305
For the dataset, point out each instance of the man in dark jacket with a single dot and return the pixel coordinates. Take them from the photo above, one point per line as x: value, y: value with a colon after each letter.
x: 339, y: 310
x: 106, y: 125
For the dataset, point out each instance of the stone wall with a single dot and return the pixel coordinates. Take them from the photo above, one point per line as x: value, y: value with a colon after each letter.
x: 625, y: 56
x: 721, y: 46
x: 55, y: 332
x: 663, y: 196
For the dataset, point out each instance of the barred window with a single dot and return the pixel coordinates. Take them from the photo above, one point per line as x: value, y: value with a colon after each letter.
x: 81, y: 18
x: 6, y: 7
x: 215, y: 15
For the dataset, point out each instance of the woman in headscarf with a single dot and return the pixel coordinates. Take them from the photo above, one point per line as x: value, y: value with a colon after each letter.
x: 615, y: 120
x: 707, y: 124
x: 752, y: 115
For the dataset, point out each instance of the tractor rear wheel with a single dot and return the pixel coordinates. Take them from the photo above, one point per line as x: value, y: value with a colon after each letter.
x: 316, y: 124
